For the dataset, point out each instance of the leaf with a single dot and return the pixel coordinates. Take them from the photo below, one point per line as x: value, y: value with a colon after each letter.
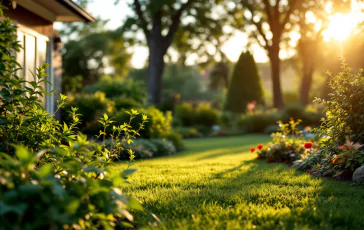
x: 129, y: 171
x: 45, y: 170
x: 19, y: 209
x: 23, y: 154
x: 72, y: 206
x: 135, y: 204
x: 92, y: 169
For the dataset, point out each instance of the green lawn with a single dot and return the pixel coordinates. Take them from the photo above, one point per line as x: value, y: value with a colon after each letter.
x: 217, y: 184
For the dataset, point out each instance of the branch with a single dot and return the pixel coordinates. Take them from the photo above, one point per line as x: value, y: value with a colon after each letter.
x: 259, y: 27
x: 292, y: 7
x: 176, y: 22
x: 268, y: 11
x: 265, y: 46
x: 143, y: 22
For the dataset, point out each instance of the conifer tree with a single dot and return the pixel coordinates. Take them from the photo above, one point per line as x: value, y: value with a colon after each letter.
x: 245, y: 85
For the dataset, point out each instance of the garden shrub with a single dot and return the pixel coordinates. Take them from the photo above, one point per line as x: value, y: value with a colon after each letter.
x: 122, y: 103
x: 50, y: 176
x: 120, y: 88
x: 258, y: 121
x: 90, y: 106
x: 188, y: 132
x: 206, y: 115
x: 176, y: 139
x: 342, y: 130
x: 245, y: 85
x: 164, y: 147
x: 158, y: 126
x: 186, y: 114
x: 345, y: 107
x: 147, y: 148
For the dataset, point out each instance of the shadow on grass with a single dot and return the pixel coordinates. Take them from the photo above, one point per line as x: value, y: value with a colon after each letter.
x: 268, y: 195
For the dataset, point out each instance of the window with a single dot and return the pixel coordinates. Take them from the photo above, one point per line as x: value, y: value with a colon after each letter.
x: 36, y: 51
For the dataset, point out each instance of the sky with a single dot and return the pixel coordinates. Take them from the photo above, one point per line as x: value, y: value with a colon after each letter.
x: 116, y: 14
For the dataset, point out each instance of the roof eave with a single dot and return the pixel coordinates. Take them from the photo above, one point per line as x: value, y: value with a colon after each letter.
x: 77, y: 9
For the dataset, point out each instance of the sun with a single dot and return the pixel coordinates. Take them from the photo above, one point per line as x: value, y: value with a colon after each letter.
x: 342, y: 25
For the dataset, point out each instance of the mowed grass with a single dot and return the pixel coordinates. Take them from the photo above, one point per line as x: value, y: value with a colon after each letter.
x: 217, y: 184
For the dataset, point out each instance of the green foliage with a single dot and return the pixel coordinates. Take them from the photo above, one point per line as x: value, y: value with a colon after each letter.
x: 51, y: 177
x: 206, y: 115
x: 164, y: 147
x: 22, y: 118
x: 176, y: 139
x: 245, y: 85
x: 287, y: 145
x: 345, y: 107
x: 119, y: 88
x: 258, y: 121
x: 202, y: 115
x: 188, y: 132
x: 148, y: 148
x: 125, y: 103
x: 90, y: 106
x: 186, y: 114
x: 94, y: 45
x: 158, y: 126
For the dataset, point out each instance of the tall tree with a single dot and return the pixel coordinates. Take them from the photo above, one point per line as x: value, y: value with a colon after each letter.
x: 159, y: 21
x: 269, y: 20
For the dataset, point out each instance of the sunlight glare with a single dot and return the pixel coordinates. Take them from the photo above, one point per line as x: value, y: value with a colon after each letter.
x: 341, y: 25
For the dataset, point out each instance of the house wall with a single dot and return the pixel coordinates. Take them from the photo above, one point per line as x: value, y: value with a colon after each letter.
x: 30, y: 20
x: 36, y: 23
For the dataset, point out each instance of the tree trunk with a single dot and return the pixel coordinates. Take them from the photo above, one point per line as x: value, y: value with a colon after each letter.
x: 276, y: 80
x: 155, y: 72
x: 306, y: 86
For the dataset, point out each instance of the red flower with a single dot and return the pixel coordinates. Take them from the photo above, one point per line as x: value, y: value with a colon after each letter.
x: 270, y: 159
x: 308, y: 170
x: 252, y: 150
x: 260, y: 146
x: 289, y: 146
x: 308, y: 145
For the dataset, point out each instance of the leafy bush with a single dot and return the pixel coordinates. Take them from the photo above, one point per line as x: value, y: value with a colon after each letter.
x: 122, y: 103
x: 345, y: 107
x: 90, y: 106
x: 148, y: 148
x: 120, y: 88
x: 158, y: 126
x: 186, y: 114
x: 65, y: 185
x: 342, y: 130
x: 187, y: 132
x: 176, y: 139
x: 164, y: 147
x: 206, y: 115
x: 47, y: 197
x: 258, y: 121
